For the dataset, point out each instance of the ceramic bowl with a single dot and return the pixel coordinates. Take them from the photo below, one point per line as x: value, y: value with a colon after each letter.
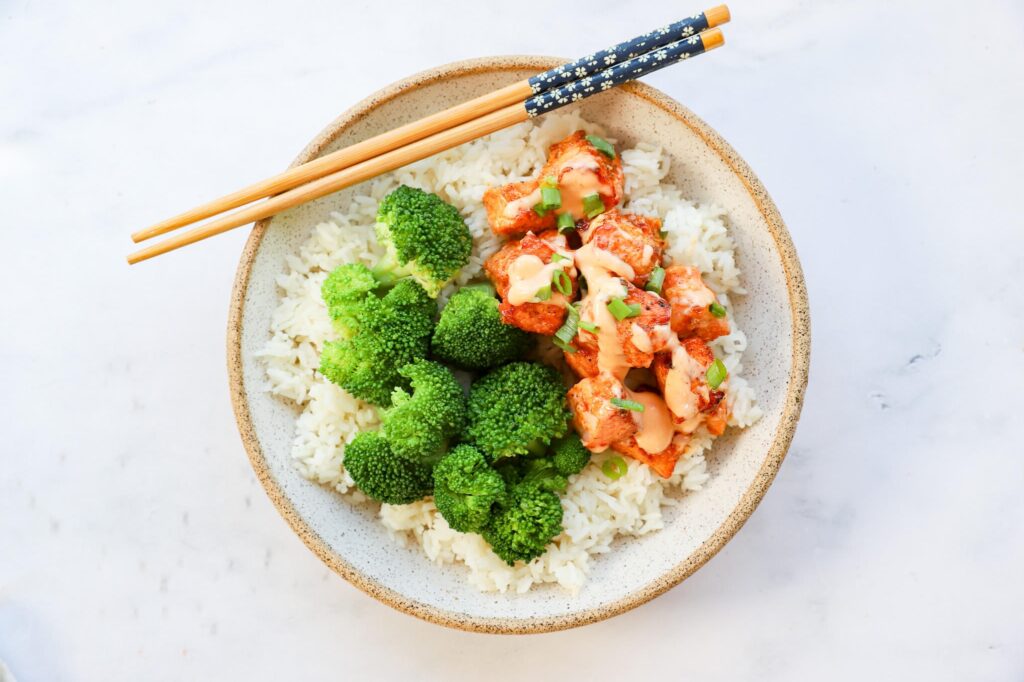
x: 774, y: 315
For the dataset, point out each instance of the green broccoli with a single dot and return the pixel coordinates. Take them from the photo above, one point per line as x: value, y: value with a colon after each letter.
x: 568, y: 455
x: 418, y: 426
x: 541, y: 471
x: 510, y: 470
x: 516, y: 409
x: 381, y: 329
x: 426, y: 238
x: 344, y: 292
x: 382, y: 474
x: 465, y: 488
x: 471, y: 334
x: 525, y: 521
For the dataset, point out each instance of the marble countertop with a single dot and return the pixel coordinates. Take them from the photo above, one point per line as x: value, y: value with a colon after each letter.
x: 135, y: 541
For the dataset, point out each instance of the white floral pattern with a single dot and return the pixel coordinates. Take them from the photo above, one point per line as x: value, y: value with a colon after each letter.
x: 637, y: 48
x: 625, y: 62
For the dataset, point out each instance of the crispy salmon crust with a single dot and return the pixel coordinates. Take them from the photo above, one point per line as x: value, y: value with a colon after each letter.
x: 681, y: 284
x: 538, y: 318
x: 598, y: 422
x: 634, y: 238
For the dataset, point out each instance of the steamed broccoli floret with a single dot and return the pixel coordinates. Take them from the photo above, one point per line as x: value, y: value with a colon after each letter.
x: 541, y: 471
x: 344, y: 291
x: 419, y: 425
x: 465, y: 488
x: 381, y: 332
x: 426, y: 238
x: 517, y: 409
x: 510, y: 470
x: 568, y: 455
x: 525, y: 521
x: 382, y: 474
x: 471, y: 334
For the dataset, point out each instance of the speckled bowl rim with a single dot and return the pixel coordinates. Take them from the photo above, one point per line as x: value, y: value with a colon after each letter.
x: 748, y: 502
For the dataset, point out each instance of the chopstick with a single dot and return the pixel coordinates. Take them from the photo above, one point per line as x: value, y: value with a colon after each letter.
x: 467, y: 111
x: 599, y: 75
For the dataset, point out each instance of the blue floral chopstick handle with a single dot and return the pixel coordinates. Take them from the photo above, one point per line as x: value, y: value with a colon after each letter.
x: 598, y: 61
x: 622, y: 72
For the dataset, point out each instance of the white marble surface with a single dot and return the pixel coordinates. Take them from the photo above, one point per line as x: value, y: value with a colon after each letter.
x: 135, y: 542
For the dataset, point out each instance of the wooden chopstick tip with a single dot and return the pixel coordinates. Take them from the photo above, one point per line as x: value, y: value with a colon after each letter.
x: 143, y: 235
x: 712, y: 38
x: 717, y: 15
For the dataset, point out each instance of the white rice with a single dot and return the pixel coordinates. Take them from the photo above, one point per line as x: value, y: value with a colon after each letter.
x: 597, y: 509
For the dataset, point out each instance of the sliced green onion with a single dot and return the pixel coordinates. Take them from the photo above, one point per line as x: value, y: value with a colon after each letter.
x: 717, y: 309
x: 549, y: 181
x: 615, y: 468
x: 565, y: 222
x: 716, y: 373
x: 563, y: 345
x: 550, y: 198
x: 662, y: 233
x: 621, y: 310
x: 544, y: 293
x: 655, y: 281
x: 567, y: 332
x: 602, y: 145
x: 631, y: 405
x: 540, y: 210
x: 560, y: 280
x: 557, y: 257
x: 593, y: 205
